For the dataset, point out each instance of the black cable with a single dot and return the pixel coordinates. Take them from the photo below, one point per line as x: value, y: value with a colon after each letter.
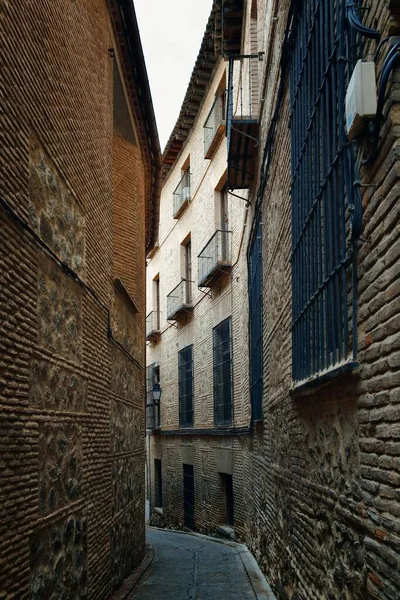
x: 380, y: 46
x: 6, y: 207
x: 387, y: 68
x: 356, y: 23
x: 269, y: 145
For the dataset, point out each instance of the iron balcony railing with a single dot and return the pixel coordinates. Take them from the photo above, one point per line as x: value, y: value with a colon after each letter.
x: 242, y: 119
x: 214, y: 126
x: 152, y: 324
x: 215, y: 257
x: 180, y: 299
x: 181, y: 195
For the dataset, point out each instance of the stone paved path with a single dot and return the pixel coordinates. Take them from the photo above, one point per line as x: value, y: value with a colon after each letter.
x: 187, y: 567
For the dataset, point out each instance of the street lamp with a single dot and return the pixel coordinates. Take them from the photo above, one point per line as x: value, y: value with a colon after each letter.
x: 156, y: 396
x: 156, y: 391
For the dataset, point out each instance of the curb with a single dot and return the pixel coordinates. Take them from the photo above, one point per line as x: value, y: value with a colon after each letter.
x: 260, y: 586
x: 130, y: 582
x: 207, y: 538
x: 258, y: 582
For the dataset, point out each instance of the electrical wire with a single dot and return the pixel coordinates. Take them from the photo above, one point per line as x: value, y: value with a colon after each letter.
x: 380, y: 46
x: 387, y: 68
x: 356, y: 23
x: 7, y: 209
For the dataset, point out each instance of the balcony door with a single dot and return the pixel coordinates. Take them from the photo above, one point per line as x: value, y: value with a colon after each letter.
x: 224, y: 225
x: 188, y: 271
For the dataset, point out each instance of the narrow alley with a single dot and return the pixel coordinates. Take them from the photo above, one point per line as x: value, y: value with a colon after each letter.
x: 189, y: 567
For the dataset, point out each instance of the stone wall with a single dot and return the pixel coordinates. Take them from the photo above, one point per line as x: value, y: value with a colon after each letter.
x: 71, y: 400
x: 322, y: 473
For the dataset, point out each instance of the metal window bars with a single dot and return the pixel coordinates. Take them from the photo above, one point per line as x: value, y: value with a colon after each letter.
x: 255, y: 324
x: 214, y: 126
x: 222, y: 373
x: 323, y: 249
x: 179, y: 299
x: 185, y: 384
x: 181, y: 195
x: 214, y: 258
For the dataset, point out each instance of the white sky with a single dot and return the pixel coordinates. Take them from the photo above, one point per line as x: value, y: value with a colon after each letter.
x: 171, y: 32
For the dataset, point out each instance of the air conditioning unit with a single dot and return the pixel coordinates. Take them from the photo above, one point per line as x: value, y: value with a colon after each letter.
x: 361, y: 100
x: 185, y: 194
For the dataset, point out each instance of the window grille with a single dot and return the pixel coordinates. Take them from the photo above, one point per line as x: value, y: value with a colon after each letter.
x: 325, y: 203
x: 255, y: 305
x: 185, y: 367
x: 222, y: 367
x: 152, y: 407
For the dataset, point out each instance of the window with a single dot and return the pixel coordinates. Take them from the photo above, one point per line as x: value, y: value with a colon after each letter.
x: 255, y: 317
x: 153, y: 321
x: 152, y: 407
x: 222, y: 367
x: 188, y: 270
x: 156, y: 300
x: 325, y: 203
x: 182, y: 193
x: 185, y: 367
x: 158, y: 483
x: 214, y: 127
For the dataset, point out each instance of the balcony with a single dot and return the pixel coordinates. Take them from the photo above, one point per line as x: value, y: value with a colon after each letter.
x: 179, y: 301
x: 215, y: 258
x: 181, y: 195
x: 153, y: 331
x: 214, y: 127
x: 242, y: 120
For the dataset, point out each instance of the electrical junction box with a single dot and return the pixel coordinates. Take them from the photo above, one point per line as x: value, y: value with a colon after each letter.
x: 360, y: 97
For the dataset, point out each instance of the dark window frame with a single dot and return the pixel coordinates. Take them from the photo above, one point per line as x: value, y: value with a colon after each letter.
x: 223, y: 373
x: 158, y: 495
x: 186, y: 386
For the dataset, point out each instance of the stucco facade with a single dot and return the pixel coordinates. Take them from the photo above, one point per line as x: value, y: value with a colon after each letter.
x: 76, y: 212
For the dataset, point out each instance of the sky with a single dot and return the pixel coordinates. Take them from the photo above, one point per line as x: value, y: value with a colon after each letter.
x: 171, y: 33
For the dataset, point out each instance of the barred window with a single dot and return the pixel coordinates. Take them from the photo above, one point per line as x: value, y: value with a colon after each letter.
x: 185, y: 367
x: 325, y: 204
x: 222, y: 366
x: 255, y: 306
x: 152, y: 407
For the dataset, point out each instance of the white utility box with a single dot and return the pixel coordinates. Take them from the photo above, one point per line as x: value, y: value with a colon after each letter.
x: 360, y: 97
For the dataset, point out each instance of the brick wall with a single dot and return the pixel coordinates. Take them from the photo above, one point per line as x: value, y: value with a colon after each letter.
x: 71, y: 400
x: 322, y: 474
x: 209, y: 454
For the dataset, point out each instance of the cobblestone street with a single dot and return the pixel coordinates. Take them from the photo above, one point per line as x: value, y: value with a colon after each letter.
x: 189, y: 567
